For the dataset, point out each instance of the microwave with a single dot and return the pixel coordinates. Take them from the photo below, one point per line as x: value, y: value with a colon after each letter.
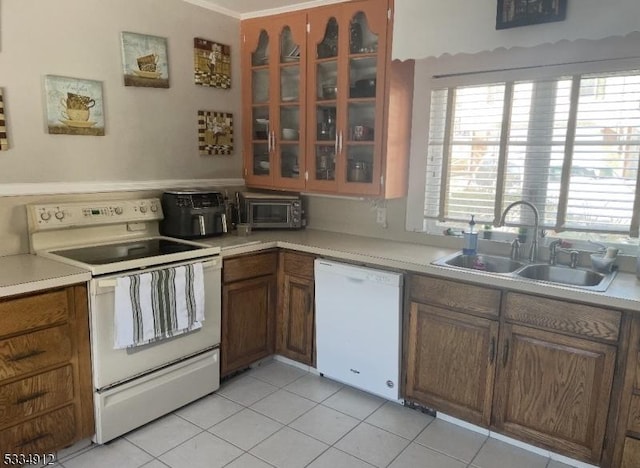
x: 269, y: 211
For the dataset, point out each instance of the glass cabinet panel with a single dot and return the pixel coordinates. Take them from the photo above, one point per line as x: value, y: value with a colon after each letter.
x: 325, y: 162
x: 261, y: 55
x: 361, y: 39
x: 261, y: 142
x: 289, y: 50
x: 328, y: 47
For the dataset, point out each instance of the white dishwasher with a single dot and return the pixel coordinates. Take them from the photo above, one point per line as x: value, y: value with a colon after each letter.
x: 358, y: 326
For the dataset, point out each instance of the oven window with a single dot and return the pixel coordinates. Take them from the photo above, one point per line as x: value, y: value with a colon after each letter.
x: 270, y: 213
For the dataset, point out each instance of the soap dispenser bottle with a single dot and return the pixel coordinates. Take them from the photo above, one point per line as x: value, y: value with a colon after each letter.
x: 470, y: 239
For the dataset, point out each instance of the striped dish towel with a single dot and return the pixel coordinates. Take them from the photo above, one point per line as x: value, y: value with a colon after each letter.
x: 157, y: 305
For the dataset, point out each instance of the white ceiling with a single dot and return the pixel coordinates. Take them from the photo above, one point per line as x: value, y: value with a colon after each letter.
x: 252, y: 8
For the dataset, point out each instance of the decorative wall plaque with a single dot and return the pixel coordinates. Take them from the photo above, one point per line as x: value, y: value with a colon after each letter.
x: 212, y: 64
x: 215, y: 132
x: 4, y: 141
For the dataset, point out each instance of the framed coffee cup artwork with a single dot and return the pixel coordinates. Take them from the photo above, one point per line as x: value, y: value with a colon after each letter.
x: 74, y: 106
x: 144, y: 60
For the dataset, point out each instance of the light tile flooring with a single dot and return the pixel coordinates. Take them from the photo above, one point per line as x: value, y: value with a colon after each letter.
x: 277, y: 415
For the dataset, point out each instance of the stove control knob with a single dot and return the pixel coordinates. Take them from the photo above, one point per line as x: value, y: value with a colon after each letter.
x: 59, y: 215
x: 154, y: 208
x: 119, y: 210
x: 143, y: 209
x: 45, y: 216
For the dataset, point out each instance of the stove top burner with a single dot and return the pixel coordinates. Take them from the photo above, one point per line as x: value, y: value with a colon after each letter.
x: 114, y: 253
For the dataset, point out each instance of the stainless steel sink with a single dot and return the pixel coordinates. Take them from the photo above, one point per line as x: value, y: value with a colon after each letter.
x: 555, y: 274
x: 490, y: 263
x: 560, y: 274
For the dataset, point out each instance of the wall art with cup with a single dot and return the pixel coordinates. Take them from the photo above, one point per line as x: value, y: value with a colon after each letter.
x: 4, y: 140
x: 215, y: 132
x: 74, y: 106
x: 212, y: 64
x: 144, y: 60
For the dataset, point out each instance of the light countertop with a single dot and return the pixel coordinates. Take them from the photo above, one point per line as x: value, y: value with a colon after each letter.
x: 21, y: 274
x: 623, y: 293
x: 26, y: 273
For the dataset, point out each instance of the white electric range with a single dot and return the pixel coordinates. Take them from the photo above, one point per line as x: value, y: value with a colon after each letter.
x: 117, y: 238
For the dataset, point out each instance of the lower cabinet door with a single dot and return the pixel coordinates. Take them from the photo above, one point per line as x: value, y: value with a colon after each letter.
x: 296, y: 320
x: 553, y: 390
x: 248, y: 322
x: 451, y: 362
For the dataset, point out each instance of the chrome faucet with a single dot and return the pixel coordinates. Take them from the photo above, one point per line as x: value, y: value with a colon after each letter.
x: 555, y: 247
x: 533, y: 252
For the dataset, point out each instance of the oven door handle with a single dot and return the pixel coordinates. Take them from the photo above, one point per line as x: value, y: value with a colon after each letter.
x: 112, y: 282
x: 107, y: 283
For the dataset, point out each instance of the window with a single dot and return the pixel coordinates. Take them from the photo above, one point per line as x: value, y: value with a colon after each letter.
x: 567, y: 143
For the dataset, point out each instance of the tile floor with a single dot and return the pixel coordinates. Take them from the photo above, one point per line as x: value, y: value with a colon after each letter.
x: 277, y: 415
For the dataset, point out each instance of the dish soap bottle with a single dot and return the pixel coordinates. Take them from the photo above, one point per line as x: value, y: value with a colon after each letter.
x: 470, y: 239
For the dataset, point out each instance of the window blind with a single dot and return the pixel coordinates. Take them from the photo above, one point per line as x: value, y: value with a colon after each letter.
x: 568, y: 144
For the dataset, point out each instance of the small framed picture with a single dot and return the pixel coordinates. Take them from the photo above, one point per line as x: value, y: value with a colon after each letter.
x: 513, y: 13
x: 4, y: 139
x: 145, y: 60
x: 74, y: 106
x: 215, y: 132
x: 212, y: 64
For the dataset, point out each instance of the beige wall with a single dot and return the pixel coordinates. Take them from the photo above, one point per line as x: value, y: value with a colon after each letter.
x: 426, y: 28
x: 151, y: 133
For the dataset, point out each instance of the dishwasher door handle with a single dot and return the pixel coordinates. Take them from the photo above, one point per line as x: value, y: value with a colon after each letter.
x: 354, y: 280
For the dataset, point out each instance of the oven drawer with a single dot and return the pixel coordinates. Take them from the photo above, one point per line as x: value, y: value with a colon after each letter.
x: 25, y: 313
x: 125, y: 407
x: 34, y: 395
x: 34, y: 351
x: 41, y: 435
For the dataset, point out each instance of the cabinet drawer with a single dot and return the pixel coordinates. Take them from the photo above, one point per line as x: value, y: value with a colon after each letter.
x: 567, y: 317
x: 454, y: 295
x: 43, y: 434
x: 34, y: 395
x: 249, y: 266
x: 34, y: 351
x: 298, y: 264
x: 28, y: 312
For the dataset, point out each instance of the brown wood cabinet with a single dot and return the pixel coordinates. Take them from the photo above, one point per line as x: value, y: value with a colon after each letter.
x: 45, y: 371
x: 554, y: 390
x: 452, y: 361
x: 547, y: 381
x: 626, y: 450
x: 323, y: 103
x: 248, y: 310
x: 452, y: 339
x: 296, y: 311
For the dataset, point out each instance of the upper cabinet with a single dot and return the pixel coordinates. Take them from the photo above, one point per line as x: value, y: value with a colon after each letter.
x: 323, y: 102
x: 274, y: 84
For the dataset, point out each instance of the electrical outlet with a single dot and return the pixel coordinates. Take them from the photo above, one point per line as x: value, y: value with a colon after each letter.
x: 381, y: 215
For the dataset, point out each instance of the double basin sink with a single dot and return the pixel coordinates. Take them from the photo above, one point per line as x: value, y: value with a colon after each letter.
x: 555, y: 274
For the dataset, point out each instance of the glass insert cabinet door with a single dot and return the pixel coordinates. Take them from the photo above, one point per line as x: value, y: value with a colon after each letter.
x: 346, y: 79
x: 274, y: 155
